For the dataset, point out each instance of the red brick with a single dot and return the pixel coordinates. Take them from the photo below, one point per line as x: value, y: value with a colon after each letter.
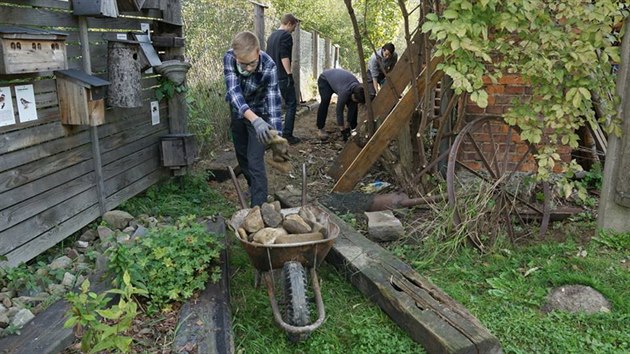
x: 511, y: 79
x: 495, y: 109
x: 473, y: 108
x: 515, y: 90
x: 493, y: 89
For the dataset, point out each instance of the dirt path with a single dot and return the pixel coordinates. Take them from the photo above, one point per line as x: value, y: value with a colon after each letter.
x: 316, y: 154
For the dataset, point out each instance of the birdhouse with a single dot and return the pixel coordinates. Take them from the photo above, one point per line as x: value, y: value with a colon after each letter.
x: 81, y: 97
x: 130, y: 5
x: 29, y: 50
x: 178, y: 150
x: 123, y: 68
x: 95, y: 8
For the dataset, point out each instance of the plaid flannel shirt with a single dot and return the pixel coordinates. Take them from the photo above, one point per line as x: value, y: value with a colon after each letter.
x: 258, y: 92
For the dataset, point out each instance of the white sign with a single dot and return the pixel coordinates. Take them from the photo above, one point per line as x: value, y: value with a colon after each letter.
x: 7, y: 116
x: 121, y: 36
x: 155, y: 112
x: 25, y: 97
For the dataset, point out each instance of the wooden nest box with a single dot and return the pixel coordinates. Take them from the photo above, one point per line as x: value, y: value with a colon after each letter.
x: 81, y: 97
x: 96, y: 8
x: 178, y: 150
x: 29, y: 50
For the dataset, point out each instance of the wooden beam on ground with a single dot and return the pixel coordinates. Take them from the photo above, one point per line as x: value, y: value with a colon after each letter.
x: 427, y: 314
x: 385, y: 100
x: 389, y: 129
x: 205, y: 322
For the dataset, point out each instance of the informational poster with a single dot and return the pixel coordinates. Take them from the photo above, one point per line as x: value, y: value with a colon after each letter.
x: 155, y: 112
x: 7, y: 116
x: 25, y: 97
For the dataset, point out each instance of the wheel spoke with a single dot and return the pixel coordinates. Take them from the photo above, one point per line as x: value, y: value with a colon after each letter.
x: 483, y: 158
x: 495, y: 146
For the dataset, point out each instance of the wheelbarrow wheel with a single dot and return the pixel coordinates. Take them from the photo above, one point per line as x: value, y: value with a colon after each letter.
x: 296, y: 308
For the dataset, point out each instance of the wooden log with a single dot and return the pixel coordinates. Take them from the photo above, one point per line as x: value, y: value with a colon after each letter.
x: 123, y: 67
x: 427, y: 314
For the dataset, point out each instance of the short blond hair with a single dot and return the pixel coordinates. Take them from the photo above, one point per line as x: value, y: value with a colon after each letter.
x: 244, y: 43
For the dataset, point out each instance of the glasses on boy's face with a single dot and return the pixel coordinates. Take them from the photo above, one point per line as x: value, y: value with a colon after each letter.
x: 251, y: 64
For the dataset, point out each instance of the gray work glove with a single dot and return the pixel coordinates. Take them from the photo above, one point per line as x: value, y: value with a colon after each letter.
x: 263, y: 130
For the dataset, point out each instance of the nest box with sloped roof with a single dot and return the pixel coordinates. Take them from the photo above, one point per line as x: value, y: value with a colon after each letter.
x: 81, y: 97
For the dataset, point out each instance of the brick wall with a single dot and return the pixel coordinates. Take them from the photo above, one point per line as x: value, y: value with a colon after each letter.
x: 510, y: 87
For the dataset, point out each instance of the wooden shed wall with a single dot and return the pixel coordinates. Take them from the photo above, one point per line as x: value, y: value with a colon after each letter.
x: 48, y: 180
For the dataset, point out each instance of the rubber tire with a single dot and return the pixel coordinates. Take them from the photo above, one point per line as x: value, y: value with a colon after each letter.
x: 296, y: 304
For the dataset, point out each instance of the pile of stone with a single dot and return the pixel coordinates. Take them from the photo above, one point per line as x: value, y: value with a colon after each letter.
x: 267, y: 225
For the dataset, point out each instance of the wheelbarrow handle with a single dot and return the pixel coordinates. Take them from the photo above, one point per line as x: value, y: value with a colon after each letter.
x: 241, y: 199
x: 304, y: 184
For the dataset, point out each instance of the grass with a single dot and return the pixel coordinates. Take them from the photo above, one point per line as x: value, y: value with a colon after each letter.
x: 506, y: 289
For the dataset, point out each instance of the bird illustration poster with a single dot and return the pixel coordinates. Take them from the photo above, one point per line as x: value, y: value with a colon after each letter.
x: 155, y: 112
x: 25, y: 97
x: 7, y: 116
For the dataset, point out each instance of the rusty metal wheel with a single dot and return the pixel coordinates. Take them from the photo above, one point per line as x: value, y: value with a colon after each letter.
x: 490, y: 184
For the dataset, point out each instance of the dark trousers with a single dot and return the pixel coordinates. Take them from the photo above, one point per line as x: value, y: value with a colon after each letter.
x: 325, y: 93
x: 250, y: 154
x: 287, y: 90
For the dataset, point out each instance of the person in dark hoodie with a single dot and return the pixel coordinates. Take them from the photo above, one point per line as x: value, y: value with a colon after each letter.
x: 349, y: 94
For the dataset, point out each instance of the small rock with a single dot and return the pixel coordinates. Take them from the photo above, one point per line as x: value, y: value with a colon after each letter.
x: 4, y: 320
x: 68, y: 280
x: 21, y: 318
x: 104, y: 233
x: 140, y: 232
x: 117, y: 219
x: 253, y: 221
x: 56, y: 289
x: 123, y: 239
x: 72, y: 253
x: 89, y: 236
x: 63, y: 262
x: 276, y: 205
x: 271, y: 217
x: 101, y: 263
x: 82, y: 245
x: 3, y: 309
x: 307, y: 215
x: 129, y: 230
x: 384, y: 226
x: 294, y: 224
x: 268, y: 235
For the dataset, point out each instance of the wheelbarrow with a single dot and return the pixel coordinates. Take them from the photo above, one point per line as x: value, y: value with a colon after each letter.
x: 291, y: 261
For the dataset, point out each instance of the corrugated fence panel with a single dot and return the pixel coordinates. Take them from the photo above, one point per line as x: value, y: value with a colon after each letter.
x: 47, y: 178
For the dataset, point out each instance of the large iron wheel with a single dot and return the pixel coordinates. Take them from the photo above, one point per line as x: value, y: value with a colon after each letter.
x: 296, y: 307
x: 490, y: 186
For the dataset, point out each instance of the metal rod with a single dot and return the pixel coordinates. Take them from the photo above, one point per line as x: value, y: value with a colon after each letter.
x: 303, y: 184
x: 241, y: 199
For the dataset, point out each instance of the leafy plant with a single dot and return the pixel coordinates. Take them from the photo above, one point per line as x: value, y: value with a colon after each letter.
x: 100, y: 326
x: 170, y: 262
x: 167, y: 88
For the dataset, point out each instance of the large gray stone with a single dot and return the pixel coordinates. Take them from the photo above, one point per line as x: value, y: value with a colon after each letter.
x: 117, y: 219
x: 270, y: 215
x: 63, y: 262
x: 576, y: 298
x: 21, y: 318
x: 384, y: 226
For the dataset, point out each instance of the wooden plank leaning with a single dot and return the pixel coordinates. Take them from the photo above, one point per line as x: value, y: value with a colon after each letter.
x: 389, y: 129
x: 385, y: 100
x: 424, y: 311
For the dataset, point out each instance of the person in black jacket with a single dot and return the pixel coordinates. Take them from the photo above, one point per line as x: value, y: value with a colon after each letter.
x: 279, y: 48
x: 349, y: 92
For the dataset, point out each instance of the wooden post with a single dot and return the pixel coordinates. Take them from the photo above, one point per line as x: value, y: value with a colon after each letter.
x: 297, y: 59
x: 315, y: 54
x: 259, y: 23
x: 612, y: 215
x: 327, y: 54
x: 96, y: 148
x: 336, y: 57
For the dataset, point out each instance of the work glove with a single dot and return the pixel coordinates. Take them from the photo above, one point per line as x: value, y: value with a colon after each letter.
x: 263, y: 130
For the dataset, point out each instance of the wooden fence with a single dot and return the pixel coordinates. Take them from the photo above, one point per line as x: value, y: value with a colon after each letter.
x: 56, y: 179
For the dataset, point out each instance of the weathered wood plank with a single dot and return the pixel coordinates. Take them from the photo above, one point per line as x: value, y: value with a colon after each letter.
x: 140, y: 143
x: 122, y: 195
x: 54, y: 4
x: 19, y: 139
x: 424, y: 311
x: 123, y: 138
x: 127, y: 177
x: 40, y: 185
x: 45, y: 334
x: 13, y: 215
x: 26, y: 231
x: 391, y: 126
x: 131, y: 159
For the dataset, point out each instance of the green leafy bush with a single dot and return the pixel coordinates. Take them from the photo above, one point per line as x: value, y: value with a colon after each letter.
x: 170, y: 262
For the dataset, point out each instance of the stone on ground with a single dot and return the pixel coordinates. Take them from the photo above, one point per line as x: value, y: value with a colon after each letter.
x: 576, y: 298
x: 384, y: 226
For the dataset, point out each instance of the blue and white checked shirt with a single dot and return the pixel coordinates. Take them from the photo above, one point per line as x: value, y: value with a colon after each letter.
x: 258, y: 92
